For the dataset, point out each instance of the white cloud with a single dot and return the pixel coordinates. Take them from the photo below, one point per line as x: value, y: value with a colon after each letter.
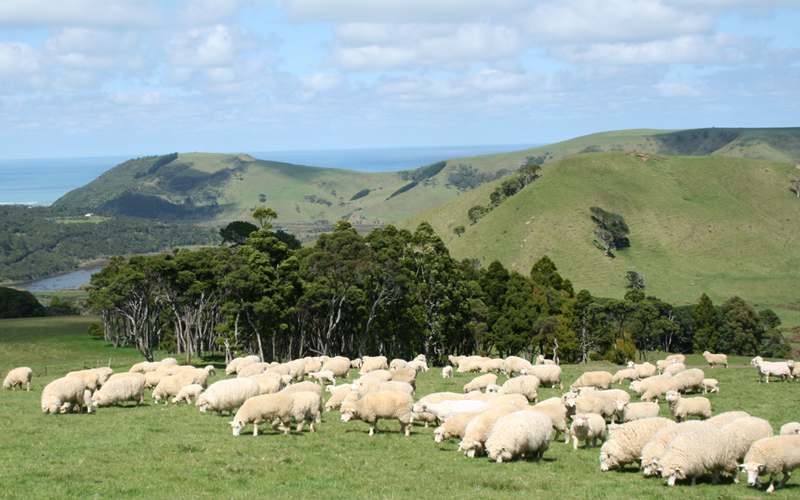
x: 398, y: 11
x: 19, y: 59
x: 88, y: 48
x: 139, y: 99
x: 214, y: 46
x: 678, y: 90
x: 321, y: 82
x: 33, y: 14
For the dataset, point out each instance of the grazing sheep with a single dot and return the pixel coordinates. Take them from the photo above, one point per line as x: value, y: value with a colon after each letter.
x: 257, y: 410
x: 514, y: 364
x: 303, y: 387
x: 493, y: 365
x: 418, y: 365
x: 227, y: 395
x: 645, y: 369
x: 609, y: 396
x: 377, y: 376
x: 587, y: 427
x: 598, y: 379
x: 455, y: 427
x: 655, y: 449
x: 625, y: 374
x: 548, y: 375
x: 306, y: 407
x: 371, y: 364
x: 187, y: 393
x: 210, y: 369
x: 625, y: 445
x: 772, y: 456
x: 60, y: 395
x: 199, y: 376
x: 169, y: 362
x: 252, y: 369
x: 674, y: 369
x: 337, y: 398
x: 710, y: 385
x: 18, y: 376
x: 659, y: 389
x: 437, y: 397
x: 120, y: 375
x: 370, y: 387
x: 690, y: 455
x: 145, y: 366
x: 151, y: 379
x: 681, y: 407
x: 447, y: 372
x: 89, y: 377
x: 315, y: 366
x: 689, y: 380
x: 641, y: 386
x: 117, y: 391
x: 406, y: 375
x: 322, y: 376
x: 790, y: 429
x: 748, y: 430
x: 103, y: 373
x: 506, y: 399
x: 493, y: 389
x: 237, y: 364
x: 584, y: 404
x: 267, y: 384
x: 354, y: 363
x: 776, y: 369
x: 723, y: 418
x: 541, y: 360
x: 481, y: 382
x: 398, y: 363
x: 392, y: 405
x: 480, y: 427
x: 472, y: 364
x: 557, y: 413
x: 339, y: 367
x: 628, y: 412
x: 522, y: 433
x: 662, y: 364
x: 716, y: 359
x: 676, y: 358
x: 171, y: 386
x: 527, y: 385
x: 446, y: 410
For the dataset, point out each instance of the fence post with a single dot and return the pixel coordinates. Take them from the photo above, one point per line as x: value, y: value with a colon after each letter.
x: 83, y: 365
x: 109, y: 362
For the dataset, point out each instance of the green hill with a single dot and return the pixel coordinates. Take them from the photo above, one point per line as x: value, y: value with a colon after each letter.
x: 715, y: 224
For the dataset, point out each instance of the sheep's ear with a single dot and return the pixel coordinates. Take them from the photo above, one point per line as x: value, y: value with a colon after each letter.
x: 742, y: 466
x: 660, y: 469
x: 760, y: 467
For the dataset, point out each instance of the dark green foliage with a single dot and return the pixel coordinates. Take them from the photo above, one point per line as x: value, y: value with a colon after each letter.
x: 262, y: 198
x: 475, y: 213
x: 403, y: 189
x: 743, y: 329
x: 20, y: 304
x: 96, y: 330
x: 360, y: 194
x: 236, y: 233
x: 466, y: 177
x: 58, y: 307
x: 611, y: 230
x: 634, y: 280
x: 699, y: 142
x: 704, y: 324
x: 290, y: 240
x: 161, y: 161
x: 459, y: 230
x: 422, y: 173
x: 769, y: 319
x: 152, y: 207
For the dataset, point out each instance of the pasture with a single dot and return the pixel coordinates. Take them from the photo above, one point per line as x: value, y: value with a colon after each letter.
x: 157, y: 451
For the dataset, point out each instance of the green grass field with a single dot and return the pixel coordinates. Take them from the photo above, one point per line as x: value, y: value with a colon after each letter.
x: 154, y: 452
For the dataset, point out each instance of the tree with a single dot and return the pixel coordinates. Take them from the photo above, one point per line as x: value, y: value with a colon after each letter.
x: 634, y: 280
x: 459, y: 230
x: 475, y: 213
x: 704, y: 324
x: 796, y: 184
x: 236, y: 233
x: 744, y: 326
x: 612, y: 231
x: 264, y: 216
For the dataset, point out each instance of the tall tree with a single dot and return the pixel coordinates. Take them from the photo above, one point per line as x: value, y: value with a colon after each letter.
x: 744, y: 326
x: 704, y: 324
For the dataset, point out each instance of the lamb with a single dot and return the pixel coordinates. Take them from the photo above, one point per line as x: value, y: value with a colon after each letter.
x: 674, y: 369
x: 676, y: 358
x: 186, y: 394
x: 355, y: 363
x: 322, y: 376
x: 641, y: 386
x: 548, y: 375
x: 540, y: 360
x: 306, y: 409
x: 227, y: 395
x: 18, y: 376
x: 480, y: 427
x: 626, y: 443
x: 513, y: 364
x: 557, y: 413
x: 89, y: 377
x: 599, y: 379
x: 645, y: 369
x: 684, y: 407
x: 60, y: 395
x: 418, y: 365
x: 522, y: 433
x: 398, y: 363
x: 393, y: 405
x: 723, y: 418
x: 527, y: 385
x: 339, y: 367
x: 493, y: 365
x: 716, y: 359
x: 171, y: 386
x: 237, y: 364
x: 437, y: 397
x: 260, y: 409
x: 690, y: 455
x: 689, y: 380
x: 659, y: 389
x: 371, y: 364
x: 626, y: 374
x: 455, y: 427
x: 480, y: 382
x: 710, y: 385
x: 587, y: 427
x: 447, y: 372
x: 790, y: 429
x: 771, y: 456
x: 267, y: 384
x: 655, y: 449
x: 628, y: 412
x: 116, y: 391
x: 446, y: 410
x: 776, y: 369
x: 748, y: 430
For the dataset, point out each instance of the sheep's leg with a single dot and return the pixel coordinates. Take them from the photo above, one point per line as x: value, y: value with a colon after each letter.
x: 255, y: 429
x: 575, y: 442
x: 771, y: 483
x: 786, y: 476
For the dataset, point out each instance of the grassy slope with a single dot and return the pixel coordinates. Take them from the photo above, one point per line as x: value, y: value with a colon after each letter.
x: 720, y: 225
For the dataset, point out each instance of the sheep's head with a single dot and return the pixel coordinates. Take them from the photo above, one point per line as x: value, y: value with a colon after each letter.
x: 619, y: 405
x: 650, y: 469
x: 607, y: 462
x: 753, y: 470
x: 348, y: 411
x: 671, y: 474
x: 631, y: 364
x: 420, y: 407
x: 673, y: 397
x: 237, y: 426
x: 579, y: 420
x: 438, y: 435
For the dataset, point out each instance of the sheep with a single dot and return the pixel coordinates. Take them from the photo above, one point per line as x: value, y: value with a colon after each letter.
x: 237, y: 364
x: 331, y: 389
x: 337, y: 398
x: 662, y: 364
x: 144, y: 367
x: 393, y: 405
x: 260, y: 409
x: 210, y: 369
x: 152, y: 379
x: 689, y: 380
x: 447, y: 372
x: 628, y: 412
x: 355, y: 363
x: 103, y: 373
x: 322, y: 376
x: 446, y: 410
x: 681, y: 407
x: 527, y: 385
x: 583, y: 404
x: 710, y: 385
x: 89, y: 377
x: 398, y: 363
x: 548, y: 375
x: 625, y: 374
x: 690, y: 455
x: 795, y: 369
x: 522, y: 433
x: 598, y: 379
x: 171, y: 386
x: 716, y: 359
x: 18, y: 376
x: 455, y: 360
x: 377, y: 376
x: 723, y: 418
x: 120, y: 375
x: 406, y: 375
x: 315, y: 366
x: 371, y: 364
x: 609, y: 396
x: 514, y: 364
x: 437, y: 397
x: 506, y: 399
x: 625, y: 445
x: 493, y: 389
x: 659, y: 389
x: 474, y: 364
x: 227, y: 395
x: 673, y: 369
x: 480, y: 427
x: 655, y: 449
x: 119, y: 390
x: 306, y: 409
x: 645, y: 369
x: 418, y: 365
x: 338, y: 366
x: 641, y: 386
x: 252, y: 369
x: 540, y: 360
x: 790, y: 429
x: 771, y: 456
x: 776, y: 369
x: 60, y: 395
x: 267, y: 384
x: 587, y: 427
x: 187, y: 393
x: 557, y: 414
x: 748, y: 430
x: 169, y: 362
x: 676, y: 358
x: 493, y: 365
x: 370, y: 387
x: 455, y: 427
x: 199, y: 376
x: 480, y: 382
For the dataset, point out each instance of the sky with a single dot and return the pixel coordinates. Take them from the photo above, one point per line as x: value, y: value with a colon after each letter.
x: 138, y: 77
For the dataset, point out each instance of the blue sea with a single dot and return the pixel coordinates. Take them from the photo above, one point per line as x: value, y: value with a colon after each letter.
x: 43, y: 181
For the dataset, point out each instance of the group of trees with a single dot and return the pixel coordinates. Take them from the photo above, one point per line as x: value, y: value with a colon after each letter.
x: 397, y: 293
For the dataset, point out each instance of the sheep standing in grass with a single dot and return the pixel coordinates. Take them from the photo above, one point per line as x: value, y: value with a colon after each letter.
x: 18, y: 376
x: 748, y: 430
x: 455, y: 427
x: 645, y: 369
x: 447, y: 372
x: 371, y: 408
x: 237, y: 364
x: 628, y: 412
x: 548, y: 375
x: 681, y: 407
x: 90, y: 378
x: 772, y: 456
x: 437, y: 397
x: 306, y: 409
x: 674, y: 369
x: 322, y: 376
x: 227, y: 395
x: 676, y: 358
x: 339, y: 367
x: 625, y: 374
x: 710, y: 385
x: 252, y: 369
x: 116, y: 391
x: 659, y: 389
x: 337, y: 398
x: 514, y: 364
x: 776, y: 369
x: 116, y: 376
x: 480, y: 382
x: 103, y: 373
x: 641, y: 386
x: 275, y: 408
x: 169, y: 387
x: 526, y: 385
x: 662, y: 364
x: 479, y: 428
x: 653, y: 450
x: 522, y: 433
x: 60, y: 395
x: 267, y: 384
x: 587, y: 427
x: 723, y: 418
x: 689, y: 380
x: 690, y: 455
x: 609, y: 396
x: 557, y: 413
x: 716, y: 359
x: 584, y: 404
x: 493, y: 365
x: 187, y: 393
x: 625, y: 445
x: 369, y: 387
x: 541, y: 360
x: 373, y: 363
x: 598, y: 379
x: 446, y: 410
x: 790, y: 429
x: 418, y: 365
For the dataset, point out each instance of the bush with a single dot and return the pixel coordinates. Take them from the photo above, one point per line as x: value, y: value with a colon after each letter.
x: 360, y: 194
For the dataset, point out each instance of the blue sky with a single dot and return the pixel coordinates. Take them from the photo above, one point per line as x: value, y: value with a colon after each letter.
x: 139, y: 77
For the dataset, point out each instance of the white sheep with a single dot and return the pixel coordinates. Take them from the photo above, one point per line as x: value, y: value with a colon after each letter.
x: 628, y: 412
x: 322, y: 376
x: 437, y: 397
x: 447, y: 372
x: 398, y: 363
x: 609, y: 396
x: 455, y: 360
x: 267, y: 384
x: 514, y: 364
x: 227, y: 395
x: 103, y: 373
x: 306, y: 409
x: 690, y: 455
x: 18, y: 376
x: 377, y: 376
x: 90, y: 378
x: 598, y: 379
x: 60, y: 395
x: 625, y: 445
x: 237, y: 364
x: 169, y: 362
x: 493, y: 389
x: 790, y: 429
x: 116, y: 391
x: 446, y: 410
x: 674, y: 369
x: 710, y: 385
x: 541, y: 360
x: 371, y: 387
x: 645, y: 369
x: 723, y: 418
x: 169, y: 387
x: 640, y: 386
x: 355, y: 363
x: 481, y: 382
x: 275, y: 408
x: 252, y: 369
x: 472, y: 364
x: 522, y: 433
x: 340, y: 367
x: 187, y: 393
x: 662, y: 364
x: 373, y: 363
x: 548, y: 375
x: 584, y: 404
x: 776, y: 369
x: 527, y: 385
x: 455, y: 427
x: 676, y: 358
x: 659, y: 389
x: 145, y: 366
x: 120, y: 375
x: 493, y: 365
x: 770, y: 456
x: 587, y: 427
x: 406, y: 375
x: 748, y: 430
x: 151, y: 379
x: 210, y: 369
x: 625, y: 374
x: 337, y: 398
x: 681, y: 407
x: 480, y: 427
x: 391, y: 405
x: 716, y: 359
x: 654, y: 449
x: 557, y: 413
x: 314, y: 365
x: 418, y: 365
x: 689, y: 380
x: 505, y: 399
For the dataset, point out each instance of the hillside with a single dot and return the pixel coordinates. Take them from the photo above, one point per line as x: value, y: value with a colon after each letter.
x: 715, y: 224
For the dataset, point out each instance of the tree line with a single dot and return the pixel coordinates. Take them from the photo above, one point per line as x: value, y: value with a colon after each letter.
x: 396, y: 293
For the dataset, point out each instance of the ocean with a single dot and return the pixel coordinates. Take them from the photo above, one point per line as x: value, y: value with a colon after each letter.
x: 43, y: 181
